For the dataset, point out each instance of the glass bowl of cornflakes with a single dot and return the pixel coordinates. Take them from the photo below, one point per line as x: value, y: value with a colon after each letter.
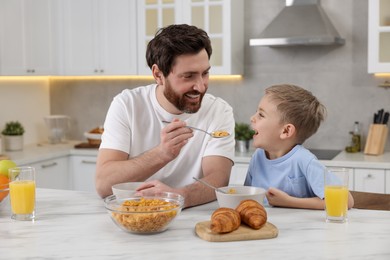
x: 144, y: 214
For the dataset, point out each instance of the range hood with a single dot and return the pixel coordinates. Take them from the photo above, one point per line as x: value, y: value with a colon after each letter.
x: 301, y: 22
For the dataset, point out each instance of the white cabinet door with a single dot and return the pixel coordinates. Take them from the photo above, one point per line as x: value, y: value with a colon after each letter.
x: 378, y: 36
x: 53, y: 173
x: 118, y: 37
x: 83, y: 170
x: 238, y: 174
x: 221, y: 19
x: 370, y: 180
x: 80, y: 37
x: 99, y: 37
x: 152, y: 15
x: 28, y: 37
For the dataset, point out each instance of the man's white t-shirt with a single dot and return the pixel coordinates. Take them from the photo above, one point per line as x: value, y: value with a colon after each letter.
x: 133, y: 125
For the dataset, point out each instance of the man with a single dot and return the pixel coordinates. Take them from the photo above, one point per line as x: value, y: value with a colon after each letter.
x: 137, y: 144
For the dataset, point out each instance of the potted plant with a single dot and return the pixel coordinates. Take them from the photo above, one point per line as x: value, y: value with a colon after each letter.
x: 243, y: 135
x: 13, y: 136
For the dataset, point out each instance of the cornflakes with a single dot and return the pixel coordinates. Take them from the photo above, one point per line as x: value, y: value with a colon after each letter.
x: 150, y: 215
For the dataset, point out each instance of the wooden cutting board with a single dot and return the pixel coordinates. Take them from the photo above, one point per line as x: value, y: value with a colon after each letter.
x: 87, y: 146
x: 244, y: 232
x: 4, y: 157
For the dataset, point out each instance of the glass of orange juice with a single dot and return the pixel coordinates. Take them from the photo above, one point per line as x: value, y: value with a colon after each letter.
x: 22, y: 192
x: 336, y: 194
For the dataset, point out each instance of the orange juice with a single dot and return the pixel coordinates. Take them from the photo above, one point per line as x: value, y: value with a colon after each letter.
x: 22, y: 195
x: 336, y: 201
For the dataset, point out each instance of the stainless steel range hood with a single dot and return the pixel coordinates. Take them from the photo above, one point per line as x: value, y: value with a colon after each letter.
x: 301, y: 22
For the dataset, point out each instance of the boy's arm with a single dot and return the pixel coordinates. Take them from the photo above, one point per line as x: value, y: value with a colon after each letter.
x: 279, y: 198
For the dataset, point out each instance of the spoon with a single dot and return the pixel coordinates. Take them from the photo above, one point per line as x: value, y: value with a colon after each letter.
x: 209, y: 185
x: 214, y: 134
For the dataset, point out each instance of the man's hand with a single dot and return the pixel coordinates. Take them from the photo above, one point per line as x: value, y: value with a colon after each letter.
x: 152, y: 187
x: 173, y: 137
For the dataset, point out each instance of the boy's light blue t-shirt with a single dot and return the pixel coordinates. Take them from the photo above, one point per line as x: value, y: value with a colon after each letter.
x: 298, y: 173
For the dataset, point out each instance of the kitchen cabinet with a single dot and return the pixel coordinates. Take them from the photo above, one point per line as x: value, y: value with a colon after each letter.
x: 387, y: 177
x: 52, y: 174
x: 369, y: 180
x: 99, y: 37
x: 83, y: 170
x: 152, y: 15
x: 378, y: 36
x: 28, y: 37
x: 221, y: 19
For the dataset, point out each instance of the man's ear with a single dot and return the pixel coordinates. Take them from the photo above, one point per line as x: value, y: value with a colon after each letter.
x: 157, y: 74
x: 288, y: 131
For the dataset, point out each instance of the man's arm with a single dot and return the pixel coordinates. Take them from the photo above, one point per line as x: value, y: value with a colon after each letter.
x: 114, y: 166
x: 216, y: 171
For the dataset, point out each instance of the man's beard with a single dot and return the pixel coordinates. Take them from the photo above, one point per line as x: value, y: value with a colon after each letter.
x: 181, y: 102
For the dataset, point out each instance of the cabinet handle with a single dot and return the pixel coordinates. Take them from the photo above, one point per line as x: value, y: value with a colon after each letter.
x: 32, y: 71
x: 96, y: 71
x: 88, y: 162
x: 101, y: 71
x: 369, y: 176
x: 48, y: 165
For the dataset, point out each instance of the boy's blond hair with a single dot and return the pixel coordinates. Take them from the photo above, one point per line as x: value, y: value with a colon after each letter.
x: 299, y: 107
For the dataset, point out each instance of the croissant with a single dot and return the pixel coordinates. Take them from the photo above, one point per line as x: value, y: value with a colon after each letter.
x: 224, y: 220
x: 252, y: 213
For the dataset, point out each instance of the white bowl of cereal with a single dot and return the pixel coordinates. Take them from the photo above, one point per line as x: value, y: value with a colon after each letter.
x: 235, y: 194
x: 144, y: 214
x: 125, y: 189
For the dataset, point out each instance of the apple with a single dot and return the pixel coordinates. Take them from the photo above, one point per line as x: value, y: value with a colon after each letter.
x: 5, y: 165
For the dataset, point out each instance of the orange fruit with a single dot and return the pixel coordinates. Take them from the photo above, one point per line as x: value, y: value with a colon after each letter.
x: 3, y: 185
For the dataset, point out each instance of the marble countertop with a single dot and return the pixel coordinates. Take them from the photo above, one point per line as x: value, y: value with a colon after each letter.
x: 74, y: 224
x: 44, y: 151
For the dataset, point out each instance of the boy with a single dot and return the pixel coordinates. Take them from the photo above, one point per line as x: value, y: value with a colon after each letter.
x: 293, y: 177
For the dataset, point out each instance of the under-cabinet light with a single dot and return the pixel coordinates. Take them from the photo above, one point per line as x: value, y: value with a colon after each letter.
x: 24, y: 78
x: 387, y: 75
x: 29, y: 78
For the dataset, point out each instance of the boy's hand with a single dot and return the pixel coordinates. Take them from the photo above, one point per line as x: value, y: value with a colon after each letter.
x: 277, y: 197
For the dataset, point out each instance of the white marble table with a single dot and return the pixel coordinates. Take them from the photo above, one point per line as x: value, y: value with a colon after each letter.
x: 72, y: 224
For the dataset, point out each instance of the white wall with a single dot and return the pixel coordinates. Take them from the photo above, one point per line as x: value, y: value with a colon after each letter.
x: 26, y: 101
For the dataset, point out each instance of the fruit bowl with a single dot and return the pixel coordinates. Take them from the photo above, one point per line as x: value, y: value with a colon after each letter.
x: 144, y: 214
x: 94, y: 136
x: 4, y: 191
x: 235, y: 194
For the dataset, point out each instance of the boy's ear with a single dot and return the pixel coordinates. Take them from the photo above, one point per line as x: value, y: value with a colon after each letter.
x: 288, y: 131
x: 157, y: 74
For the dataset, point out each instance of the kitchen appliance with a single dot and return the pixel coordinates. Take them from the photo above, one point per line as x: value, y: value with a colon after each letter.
x: 58, y: 126
x: 325, y: 154
x: 301, y: 22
